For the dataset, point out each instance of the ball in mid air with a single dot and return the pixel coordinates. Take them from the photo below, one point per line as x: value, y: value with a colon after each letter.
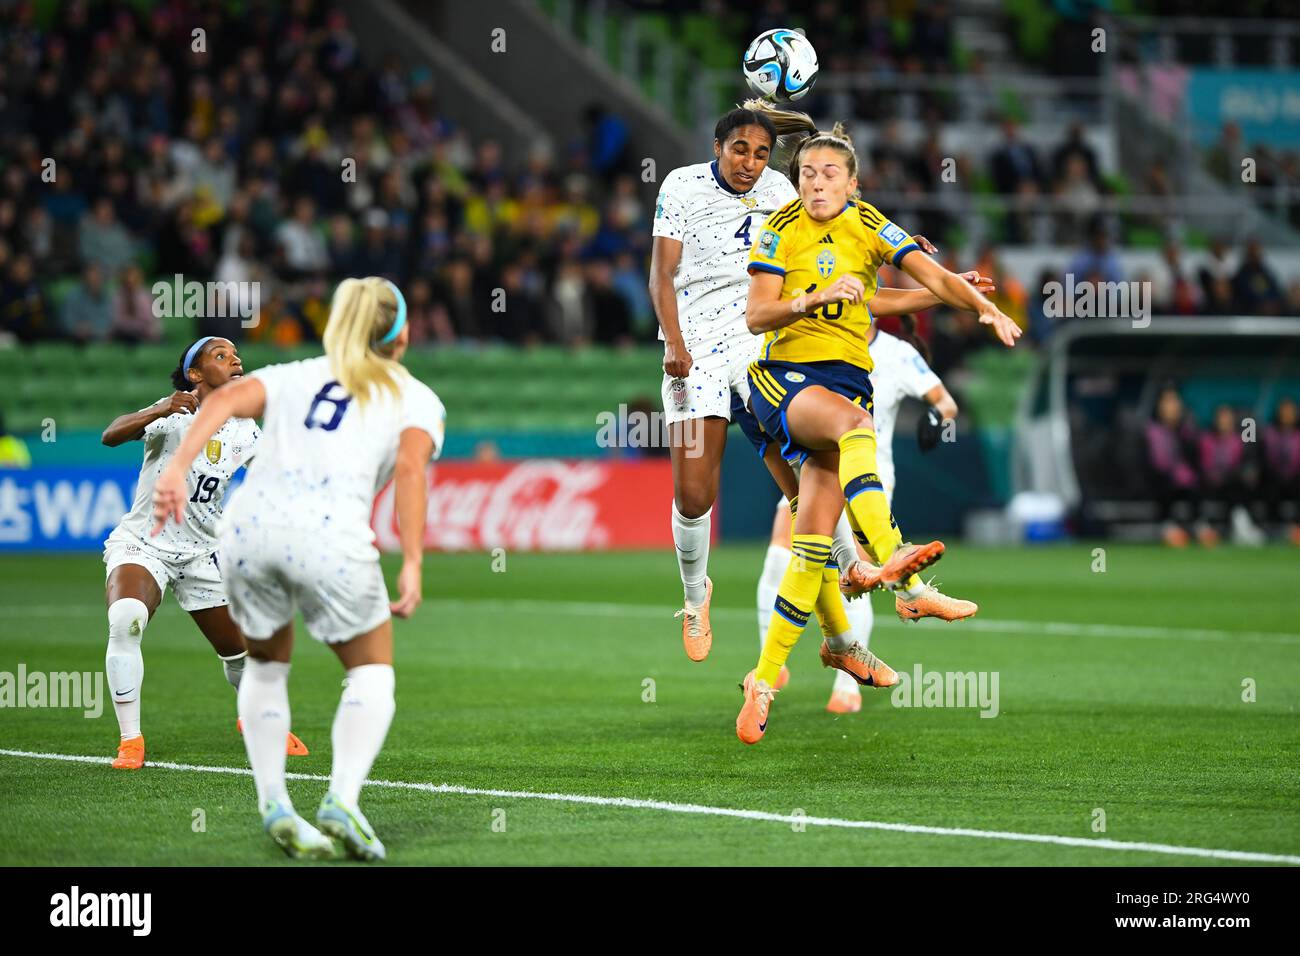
x: 780, y: 65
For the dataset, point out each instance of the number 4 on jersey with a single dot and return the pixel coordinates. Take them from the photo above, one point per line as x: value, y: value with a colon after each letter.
x: 743, y: 232
x: 339, y: 406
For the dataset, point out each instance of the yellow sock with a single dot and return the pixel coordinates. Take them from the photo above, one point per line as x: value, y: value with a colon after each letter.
x: 830, y: 605
x: 865, y: 497
x: 794, y: 602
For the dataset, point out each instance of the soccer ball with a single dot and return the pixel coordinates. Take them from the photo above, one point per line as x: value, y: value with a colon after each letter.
x: 780, y: 65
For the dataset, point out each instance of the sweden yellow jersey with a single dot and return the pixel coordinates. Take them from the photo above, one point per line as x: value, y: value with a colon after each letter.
x: 811, y: 255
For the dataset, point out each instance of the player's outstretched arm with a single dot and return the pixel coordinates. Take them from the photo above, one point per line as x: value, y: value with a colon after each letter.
x: 960, y: 294
x: 131, y: 426
x: 411, y: 490
x: 889, y: 301
x: 242, y: 398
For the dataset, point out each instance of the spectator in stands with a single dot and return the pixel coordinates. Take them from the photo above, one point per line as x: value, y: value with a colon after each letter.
x: 1171, y: 441
x: 523, y: 320
x: 1041, y: 324
x: 1016, y: 171
x: 1097, y: 262
x: 611, y: 317
x: 103, y: 240
x: 1076, y: 148
x: 1255, y: 289
x: 1281, y: 472
x: 24, y: 309
x: 1215, y: 277
x: 1229, y: 477
x: 302, y: 248
x: 86, y: 313
x: 134, y: 320
x: 427, y: 318
x: 1173, y: 291
x: 1079, y: 198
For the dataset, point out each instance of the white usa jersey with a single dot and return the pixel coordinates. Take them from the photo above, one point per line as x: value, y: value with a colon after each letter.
x: 225, y: 453
x: 323, y: 458
x: 716, y: 226
x: 900, y: 372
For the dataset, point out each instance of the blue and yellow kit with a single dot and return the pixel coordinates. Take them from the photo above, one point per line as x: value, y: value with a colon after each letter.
x: 827, y: 347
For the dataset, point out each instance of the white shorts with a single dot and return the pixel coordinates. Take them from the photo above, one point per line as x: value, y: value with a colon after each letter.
x: 196, y: 582
x: 714, y: 377
x: 272, y: 571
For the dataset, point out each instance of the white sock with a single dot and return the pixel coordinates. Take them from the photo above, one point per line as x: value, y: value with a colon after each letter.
x: 264, y: 708
x: 912, y: 592
x: 861, y: 618
x: 234, y: 668
x: 360, y: 725
x: 769, y: 582
x: 844, y: 548
x: 844, y: 684
x: 123, y: 662
x: 691, y: 535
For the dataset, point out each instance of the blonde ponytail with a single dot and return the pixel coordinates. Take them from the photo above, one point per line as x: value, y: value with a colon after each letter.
x: 787, y: 122
x: 362, y: 312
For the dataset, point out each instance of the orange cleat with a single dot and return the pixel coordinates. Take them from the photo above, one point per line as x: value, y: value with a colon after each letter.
x: 860, y: 664
x: 859, y: 578
x: 697, y: 632
x: 751, y: 722
x: 844, y: 701
x: 130, y: 754
x: 907, y: 560
x: 1176, y: 537
x: 294, y: 747
x: 782, y: 679
x: 1207, y: 536
x: 1294, y: 534
x: 931, y: 603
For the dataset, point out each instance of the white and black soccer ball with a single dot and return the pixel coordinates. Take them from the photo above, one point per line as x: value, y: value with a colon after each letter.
x: 780, y: 65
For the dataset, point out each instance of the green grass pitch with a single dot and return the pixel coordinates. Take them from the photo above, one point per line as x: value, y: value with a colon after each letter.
x: 1120, y: 691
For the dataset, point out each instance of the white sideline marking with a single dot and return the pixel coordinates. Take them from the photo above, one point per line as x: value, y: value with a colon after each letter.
x: 668, y: 807
x: 657, y: 611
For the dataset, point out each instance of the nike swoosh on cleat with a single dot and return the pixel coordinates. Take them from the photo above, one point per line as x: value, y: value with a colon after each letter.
x: 762, y: 728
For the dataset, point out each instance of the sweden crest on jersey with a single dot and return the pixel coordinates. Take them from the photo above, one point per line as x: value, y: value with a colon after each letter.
x: 826, y: 262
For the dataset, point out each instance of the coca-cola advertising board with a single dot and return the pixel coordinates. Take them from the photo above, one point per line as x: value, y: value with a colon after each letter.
x: 539, y: 505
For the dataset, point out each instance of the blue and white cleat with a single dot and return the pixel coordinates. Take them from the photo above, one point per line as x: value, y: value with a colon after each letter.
x: 298, y: 838
x: 350, y: 827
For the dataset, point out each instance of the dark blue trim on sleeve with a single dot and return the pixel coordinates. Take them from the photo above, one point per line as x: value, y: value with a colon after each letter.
x: 910, y: 247
x: 775, y: 270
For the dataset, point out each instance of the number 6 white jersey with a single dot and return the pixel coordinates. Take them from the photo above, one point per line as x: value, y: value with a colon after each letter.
x: 322, y: 458
x: 716, y: 226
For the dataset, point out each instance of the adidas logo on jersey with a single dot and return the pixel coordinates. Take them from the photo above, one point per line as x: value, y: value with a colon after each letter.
x: 827, y: 239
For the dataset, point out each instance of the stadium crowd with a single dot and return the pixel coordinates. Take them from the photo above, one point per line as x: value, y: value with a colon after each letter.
x: 127, y: 162
x: 135, y: 156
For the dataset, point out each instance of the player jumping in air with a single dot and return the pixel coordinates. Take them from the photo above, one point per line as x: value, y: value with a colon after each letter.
x: 704, y: 223
x: 298, y: 536
x: 901, y: 370
x: 140, y: 568
x: 813, y: 269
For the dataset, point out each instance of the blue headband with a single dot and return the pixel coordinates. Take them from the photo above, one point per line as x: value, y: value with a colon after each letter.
x: 401, y: 315
x: 194, y: 350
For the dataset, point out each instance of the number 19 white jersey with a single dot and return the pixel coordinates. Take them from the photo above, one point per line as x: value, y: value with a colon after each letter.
x: 322, y: 458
